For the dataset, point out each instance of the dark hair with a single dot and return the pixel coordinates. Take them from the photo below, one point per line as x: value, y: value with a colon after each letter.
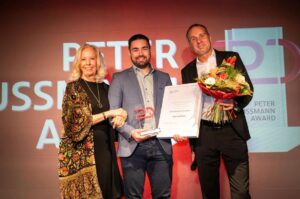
x: 196, y: 25
x: 137, y: 37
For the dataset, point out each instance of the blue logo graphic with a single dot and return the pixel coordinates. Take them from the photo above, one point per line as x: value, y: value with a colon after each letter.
x: 262, y: 52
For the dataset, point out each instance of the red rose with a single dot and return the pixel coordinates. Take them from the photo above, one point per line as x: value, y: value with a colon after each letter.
x: 223, y: 76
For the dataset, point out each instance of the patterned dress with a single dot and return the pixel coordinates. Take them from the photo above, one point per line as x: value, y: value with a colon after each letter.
x: 87, y: 158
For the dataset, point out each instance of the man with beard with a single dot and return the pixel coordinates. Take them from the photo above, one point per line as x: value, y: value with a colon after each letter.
x: 139, y: 90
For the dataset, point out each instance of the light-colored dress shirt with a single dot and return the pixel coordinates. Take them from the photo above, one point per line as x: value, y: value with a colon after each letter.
x: 146, y: 86
x: 203, y: 68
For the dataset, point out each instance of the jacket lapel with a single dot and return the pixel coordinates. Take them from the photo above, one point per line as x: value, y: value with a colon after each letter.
x: 155, y: 87
x: 193, y: 71
x: 219, y: 57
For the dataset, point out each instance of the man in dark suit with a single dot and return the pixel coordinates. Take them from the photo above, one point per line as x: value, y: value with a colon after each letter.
x: 226, y: 141
x: 139, y: 90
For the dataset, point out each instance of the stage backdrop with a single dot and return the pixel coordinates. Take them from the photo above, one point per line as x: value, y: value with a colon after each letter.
x: 38, y: 41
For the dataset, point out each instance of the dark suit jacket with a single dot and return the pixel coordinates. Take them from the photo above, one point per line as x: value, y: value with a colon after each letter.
x: 239, y: 124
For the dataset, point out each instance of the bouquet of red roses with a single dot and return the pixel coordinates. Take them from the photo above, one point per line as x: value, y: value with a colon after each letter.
x: 222, y: 83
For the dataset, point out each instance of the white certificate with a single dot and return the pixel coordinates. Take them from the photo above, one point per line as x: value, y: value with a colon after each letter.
x: 181, y: 111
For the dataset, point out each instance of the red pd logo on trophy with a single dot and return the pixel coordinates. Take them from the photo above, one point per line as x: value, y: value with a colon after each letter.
x: 144, y: 113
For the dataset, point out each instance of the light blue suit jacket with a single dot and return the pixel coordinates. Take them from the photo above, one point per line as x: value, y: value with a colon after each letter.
x: 125, y: 92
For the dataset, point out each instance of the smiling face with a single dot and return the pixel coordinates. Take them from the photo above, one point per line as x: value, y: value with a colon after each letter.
x: 200, y: 42
x: 88, y: 64
x: 140, y: 53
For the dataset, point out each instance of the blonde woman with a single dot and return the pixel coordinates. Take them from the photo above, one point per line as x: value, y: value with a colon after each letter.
x: 87, y: 157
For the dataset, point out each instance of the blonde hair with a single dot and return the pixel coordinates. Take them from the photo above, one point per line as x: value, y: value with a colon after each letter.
x: 100, y: 65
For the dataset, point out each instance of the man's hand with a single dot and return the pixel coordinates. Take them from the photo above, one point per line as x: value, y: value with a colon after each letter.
x: 194, y: 162
x: 136, y: 135
x: 227, y: 104
x: 179, y: 138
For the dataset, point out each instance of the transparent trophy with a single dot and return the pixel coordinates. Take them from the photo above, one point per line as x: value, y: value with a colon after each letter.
x: 142, y: 115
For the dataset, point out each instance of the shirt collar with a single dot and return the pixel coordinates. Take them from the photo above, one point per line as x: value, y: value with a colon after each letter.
x: 138, y: 70
x: 212, y: 56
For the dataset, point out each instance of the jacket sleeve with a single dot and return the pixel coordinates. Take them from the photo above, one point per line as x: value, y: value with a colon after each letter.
x: 185, y: 80
x: 115, y: 96
x: 184, y: 76
x: 76, y: 114
x: 169, y: 81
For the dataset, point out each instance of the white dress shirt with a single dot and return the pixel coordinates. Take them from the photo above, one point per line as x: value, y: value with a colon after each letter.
x: 203, y: 68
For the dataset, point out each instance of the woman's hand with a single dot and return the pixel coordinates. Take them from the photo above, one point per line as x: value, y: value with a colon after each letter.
x: 118, y: 121
x: 116, y: 112
x: 121, y: 112
x: 119, y: 117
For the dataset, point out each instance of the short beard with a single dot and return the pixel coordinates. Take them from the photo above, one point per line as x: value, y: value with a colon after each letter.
x: 141, y: 66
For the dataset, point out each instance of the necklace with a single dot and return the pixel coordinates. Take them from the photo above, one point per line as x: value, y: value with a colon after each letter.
x: 96, y: 98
